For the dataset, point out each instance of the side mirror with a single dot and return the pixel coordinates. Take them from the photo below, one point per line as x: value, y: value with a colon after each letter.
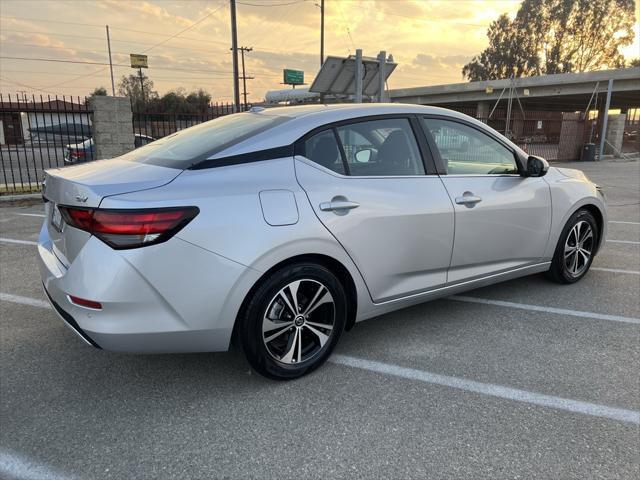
x: 364, y: 155
x: 536, y: 166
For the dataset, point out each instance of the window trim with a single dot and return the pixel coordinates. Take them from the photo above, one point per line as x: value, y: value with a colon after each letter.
x: 435, y: 151
x: 414, y: 123
x: 343, y: 154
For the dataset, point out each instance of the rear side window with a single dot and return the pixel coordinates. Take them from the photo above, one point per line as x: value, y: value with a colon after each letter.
x: 323, y: 149
x: 384, y: 147
x: 187, y: 147
x: 375, y: 148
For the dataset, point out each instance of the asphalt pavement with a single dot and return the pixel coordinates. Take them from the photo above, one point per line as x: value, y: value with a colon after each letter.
x: 524, y: 379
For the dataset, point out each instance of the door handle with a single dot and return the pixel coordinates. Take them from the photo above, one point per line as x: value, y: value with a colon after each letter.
x: 468, y: 199
x: 338, y: 206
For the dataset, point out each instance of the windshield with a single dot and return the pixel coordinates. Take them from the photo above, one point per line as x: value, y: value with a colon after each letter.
x: 187, y: 147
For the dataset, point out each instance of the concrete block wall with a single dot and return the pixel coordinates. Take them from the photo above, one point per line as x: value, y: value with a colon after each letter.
x: 111, y: 126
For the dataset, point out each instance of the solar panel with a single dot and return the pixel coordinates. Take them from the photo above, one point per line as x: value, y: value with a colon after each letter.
x: 337, y: 76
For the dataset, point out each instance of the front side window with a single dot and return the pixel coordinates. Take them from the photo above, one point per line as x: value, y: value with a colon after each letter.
x: 384, y: 147
x: 467, y: 151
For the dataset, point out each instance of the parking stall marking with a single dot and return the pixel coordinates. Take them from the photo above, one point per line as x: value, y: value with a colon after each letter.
x: 624, y: 223
x: 19, y: 242
x: 616, y: 270
x: 14, y: 465
x: 39, y: 215
x: 629, y: 242
x: 575, y: 406
x: 540, y: 308
x: 34, y: 302
x: 490, y: 389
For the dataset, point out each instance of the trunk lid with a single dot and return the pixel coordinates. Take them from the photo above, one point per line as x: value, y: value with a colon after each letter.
x: 85, y: 186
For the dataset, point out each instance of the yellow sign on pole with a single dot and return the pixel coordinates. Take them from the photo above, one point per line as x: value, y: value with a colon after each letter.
x: 138, y: 61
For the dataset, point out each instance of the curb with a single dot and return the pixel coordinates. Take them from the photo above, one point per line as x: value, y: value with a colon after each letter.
x: 21, y: 199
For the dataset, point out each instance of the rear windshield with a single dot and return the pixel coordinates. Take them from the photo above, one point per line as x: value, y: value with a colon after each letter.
x: 188, y: 147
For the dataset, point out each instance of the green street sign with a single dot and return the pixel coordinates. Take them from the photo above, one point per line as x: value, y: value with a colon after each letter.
x: 293, y: 77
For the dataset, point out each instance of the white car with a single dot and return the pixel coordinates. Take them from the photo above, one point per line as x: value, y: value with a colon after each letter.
x: 283, y: 227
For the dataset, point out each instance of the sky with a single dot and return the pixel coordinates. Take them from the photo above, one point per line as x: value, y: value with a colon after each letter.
x: 187, y: 42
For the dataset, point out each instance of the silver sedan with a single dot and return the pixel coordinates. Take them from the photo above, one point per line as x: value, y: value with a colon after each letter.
x: 281, y: 228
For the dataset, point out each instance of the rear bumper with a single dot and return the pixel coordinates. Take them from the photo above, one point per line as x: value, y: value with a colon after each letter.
x: 170, y: 297
x: 70, y: 321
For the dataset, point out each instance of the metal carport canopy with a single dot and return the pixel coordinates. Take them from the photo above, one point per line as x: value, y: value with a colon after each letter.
x: 563, y: 92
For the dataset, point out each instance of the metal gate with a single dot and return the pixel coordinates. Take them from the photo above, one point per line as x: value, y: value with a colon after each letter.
x: 34, y: 134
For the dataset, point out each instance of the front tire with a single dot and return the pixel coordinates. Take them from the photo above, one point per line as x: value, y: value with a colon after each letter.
x: 576, y: 248
x: 293, y: 321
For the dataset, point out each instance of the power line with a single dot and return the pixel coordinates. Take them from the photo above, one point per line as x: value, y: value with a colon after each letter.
x: 125, y: 65
x: 184, y: 77
x: 147, y: 50
x: 6, y: 79
x: 186, y: 28
x: 144, y: 32
x: 271, y: 4
x: 54, y: 47
x: 54, y: 60
x: 101, y: 39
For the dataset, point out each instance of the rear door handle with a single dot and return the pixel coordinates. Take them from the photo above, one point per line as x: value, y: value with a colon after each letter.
x: 338, y: 206
x: 468, y: 199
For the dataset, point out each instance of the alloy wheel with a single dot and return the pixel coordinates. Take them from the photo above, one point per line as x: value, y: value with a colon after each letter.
x: 578, y: 248
x: 299, y: 321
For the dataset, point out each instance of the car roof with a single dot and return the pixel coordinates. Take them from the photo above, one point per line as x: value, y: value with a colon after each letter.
x: 350, y: 109
x: 302, y: 119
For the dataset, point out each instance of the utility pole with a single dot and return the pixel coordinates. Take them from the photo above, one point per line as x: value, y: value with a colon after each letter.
x: 113, y: 85
x: 141, y: 85
x: 244, y: 75
x: 234, y: 53
x: 321, y: 32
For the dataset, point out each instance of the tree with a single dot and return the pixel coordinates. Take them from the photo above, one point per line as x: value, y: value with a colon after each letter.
x: 99, y: 92
x: 179, y: 101
x: 129, y: 86
x: 635, y: 62
x: 555, y: 36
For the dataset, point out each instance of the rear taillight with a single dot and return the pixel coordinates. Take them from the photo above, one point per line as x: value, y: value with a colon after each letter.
x: 77, y: 154
x: 130, y: 228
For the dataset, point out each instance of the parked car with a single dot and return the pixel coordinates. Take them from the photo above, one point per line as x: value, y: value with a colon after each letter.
x: 85, y: 151
x: 259, y: 227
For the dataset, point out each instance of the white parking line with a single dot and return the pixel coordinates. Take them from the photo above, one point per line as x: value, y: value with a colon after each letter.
x: 559, y: 403
x: 41, y: 215
x: 539, y: 308
x: 624, y: 223
x: 13, y: 465
x: 34, y: 302
x: 616, y: 270
x: 19, y: 242
x: 629, y: 242
x: 463, y: 384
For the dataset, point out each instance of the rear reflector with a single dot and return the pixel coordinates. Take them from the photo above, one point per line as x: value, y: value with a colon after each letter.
x: 83, y: 302
x: 130, y: 228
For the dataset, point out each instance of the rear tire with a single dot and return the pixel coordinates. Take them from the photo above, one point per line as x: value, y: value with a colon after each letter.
x: 293, y: 321
x: 576, y: 248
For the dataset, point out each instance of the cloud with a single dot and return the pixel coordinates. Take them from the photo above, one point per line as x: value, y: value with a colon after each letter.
x: 439, y: 61
x: 145, y: 9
